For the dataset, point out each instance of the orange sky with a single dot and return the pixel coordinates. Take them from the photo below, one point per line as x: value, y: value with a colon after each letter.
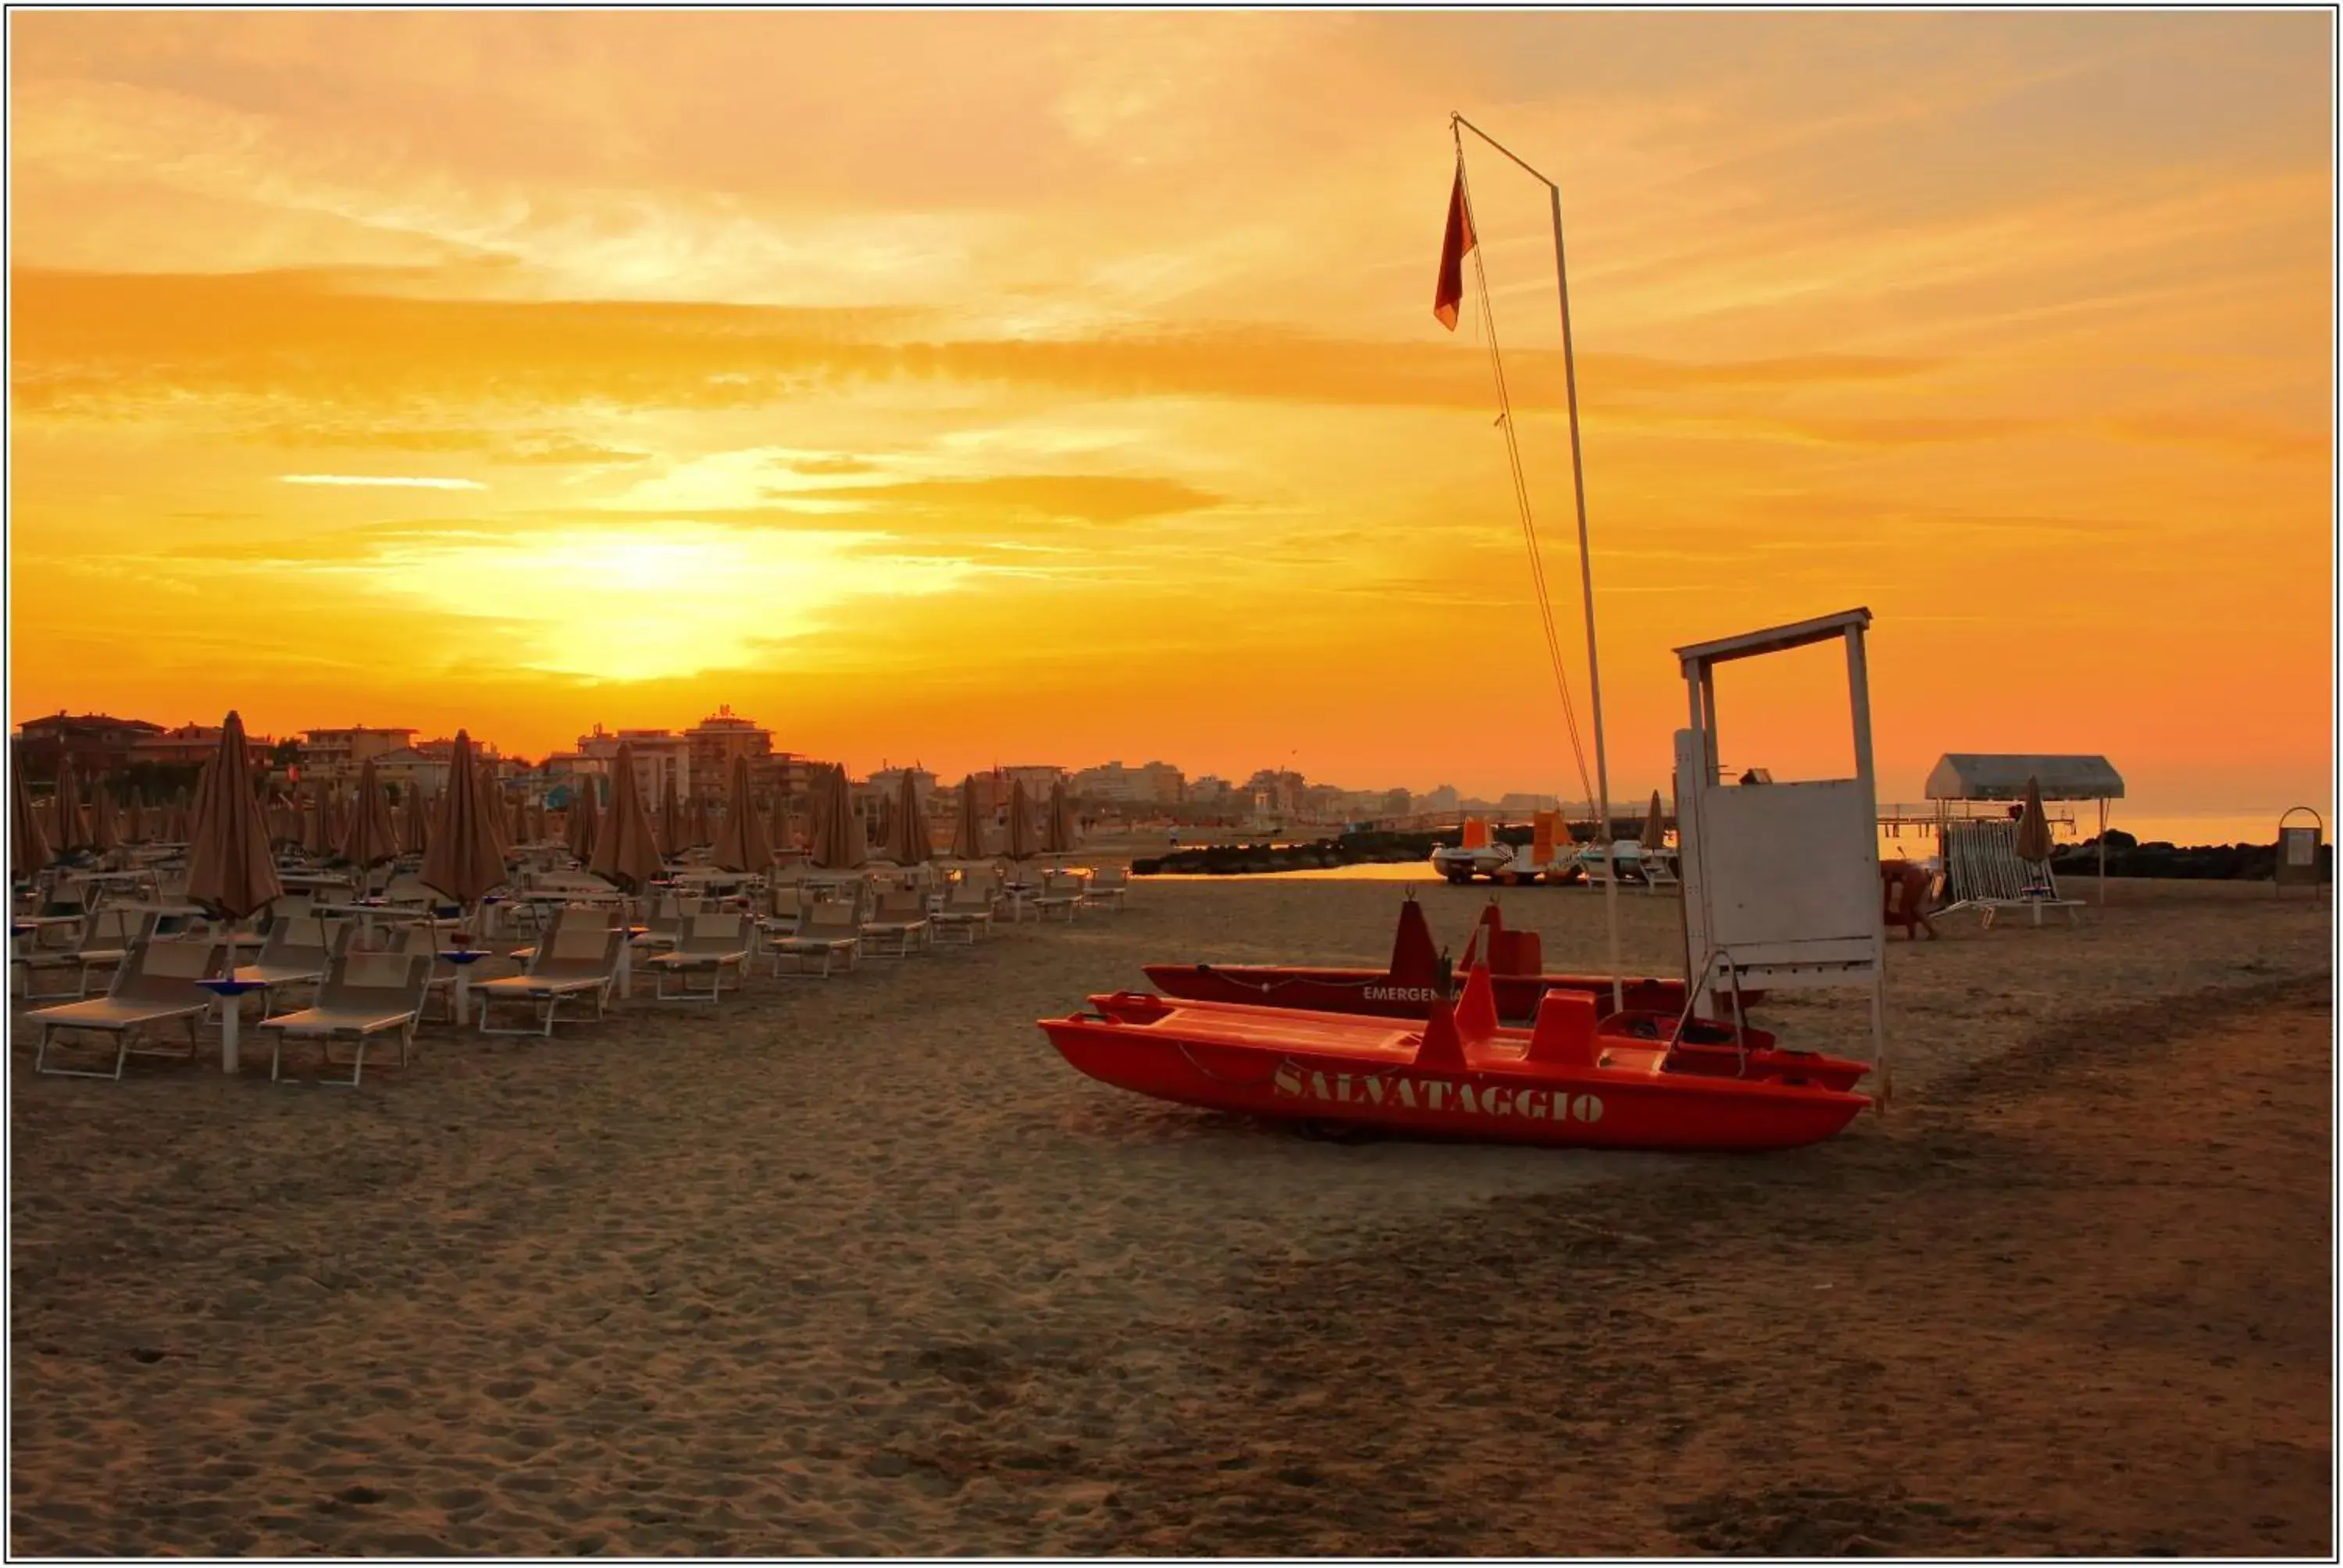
x: 1058, y: 386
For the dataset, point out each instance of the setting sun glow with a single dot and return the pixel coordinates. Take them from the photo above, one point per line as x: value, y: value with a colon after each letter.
x: 1055, y: 386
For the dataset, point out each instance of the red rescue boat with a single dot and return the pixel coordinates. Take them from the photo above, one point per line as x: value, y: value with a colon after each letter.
x: 1699, y: 1046
x: 1413, y: 981
x: 1572, y: 1080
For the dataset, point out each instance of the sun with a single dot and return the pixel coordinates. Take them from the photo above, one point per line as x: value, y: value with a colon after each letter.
x: 654, y: 601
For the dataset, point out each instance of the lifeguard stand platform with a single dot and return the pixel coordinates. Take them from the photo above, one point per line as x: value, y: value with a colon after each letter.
x: 1781, y: 880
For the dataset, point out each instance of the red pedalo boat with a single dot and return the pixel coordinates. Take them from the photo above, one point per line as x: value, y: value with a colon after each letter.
x: 1575, y: 1079
x: 1411, y: 983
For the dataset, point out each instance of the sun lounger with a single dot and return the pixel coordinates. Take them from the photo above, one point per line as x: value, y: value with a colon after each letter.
x: 1660, y: 871
x: 154, y: 983
x: 293, y: 951
x: 970, y: 903
x: 427, y: 939
x: 589, y: 917
x: 575, y: 960
x: 363, y: 994
x: 710, y: 942
x: 898, y: 926
x: 103, y: 939
x: 663, y: 926
x: 1060, y: 891
x: 829, y: 929
x: 1108, y: 887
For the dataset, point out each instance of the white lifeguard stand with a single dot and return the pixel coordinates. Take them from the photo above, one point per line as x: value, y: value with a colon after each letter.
x: 1781, y: 880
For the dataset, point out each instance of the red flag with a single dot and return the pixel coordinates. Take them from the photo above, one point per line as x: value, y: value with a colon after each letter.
x: 1449, y: 294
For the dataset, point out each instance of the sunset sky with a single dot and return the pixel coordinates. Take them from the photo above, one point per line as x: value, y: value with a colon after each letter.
x: 1060, y: 386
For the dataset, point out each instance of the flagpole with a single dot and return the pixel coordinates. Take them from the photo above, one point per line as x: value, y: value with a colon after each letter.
x: 1586, y: 566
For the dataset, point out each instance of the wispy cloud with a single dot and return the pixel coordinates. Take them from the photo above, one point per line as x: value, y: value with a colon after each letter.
x: 386, y: 481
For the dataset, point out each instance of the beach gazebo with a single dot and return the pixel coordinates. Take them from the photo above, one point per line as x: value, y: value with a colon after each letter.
x: 1981, y: 775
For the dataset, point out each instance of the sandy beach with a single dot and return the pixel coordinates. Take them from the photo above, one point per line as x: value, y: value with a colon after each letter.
x: 862, y: 1267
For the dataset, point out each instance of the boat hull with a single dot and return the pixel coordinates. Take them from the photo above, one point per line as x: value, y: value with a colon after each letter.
x: 1697, y: 1045
x: 1310, y: 1074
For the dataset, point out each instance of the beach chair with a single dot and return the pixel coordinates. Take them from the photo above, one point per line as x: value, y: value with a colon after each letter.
x: 154, y: 983
x: 293, y: 951
x: 1108, y: 887
x: 423, y: 939
x: 362, y: 995
x: 1060, y: 891
x: 898, y: 923
x: 829, y: 929
x: 100, y: 943
x: 577, y: 959
x: 970, y: 902
x: 711, y: 941
x: 1983, y: 872
x: 1660, y: 871
x: 560, y: 917
x: 663, y: 925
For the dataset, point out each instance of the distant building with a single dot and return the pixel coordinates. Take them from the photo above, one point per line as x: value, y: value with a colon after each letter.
x: 888, y: 780
x: 662, y: 759
x: 1211, y: 790
x: 192, y: 746
x: 1444, y: 798
x: 413, y: 768
x: 1153, y: 784
x: 721, y: 737
x: 1525, y: 805
x: 330, y: 756
x: 1037, y: 777
x: 98, y: 743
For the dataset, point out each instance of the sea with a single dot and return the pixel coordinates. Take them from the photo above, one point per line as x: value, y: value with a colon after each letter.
x: 2187, y: 829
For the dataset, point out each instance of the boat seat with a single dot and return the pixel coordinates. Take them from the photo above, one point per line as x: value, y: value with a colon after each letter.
x: 1564, y: 1035
x: 1476, y: 1010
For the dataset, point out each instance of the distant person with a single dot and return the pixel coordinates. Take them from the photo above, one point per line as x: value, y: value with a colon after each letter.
x: 1174, y: 835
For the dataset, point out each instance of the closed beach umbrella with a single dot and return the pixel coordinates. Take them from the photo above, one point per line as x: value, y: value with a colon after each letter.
x: 907, y: 829
x: 134, y: 816
x: 413, y: 821
x: 585, y: 817
x: 518, y: 835
x: 2033, y: 826
x: 230, y: 873
x: 1655, y: 827
x: 66, y: 831
x: 538, y: 831
x: 462, y: 862
x: 700, y: 823
x: 28, y: 843
x: 741, y: 844
x: 670, y: 823
x: 968, y: 831
x: 104, y: 837
x: 838, y: 833
x: 492, y: 805
x: 1023, y: 844
x: 371, y: 839
x: 1058, y: 831
x: 318, y: 824
x: 877, y: 817
x: 626, y: 852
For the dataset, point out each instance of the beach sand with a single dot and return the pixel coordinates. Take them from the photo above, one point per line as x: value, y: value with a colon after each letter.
x: 861, y: 1266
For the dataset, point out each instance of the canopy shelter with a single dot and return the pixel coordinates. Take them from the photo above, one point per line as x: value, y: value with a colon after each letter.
x: 1966, y: 775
